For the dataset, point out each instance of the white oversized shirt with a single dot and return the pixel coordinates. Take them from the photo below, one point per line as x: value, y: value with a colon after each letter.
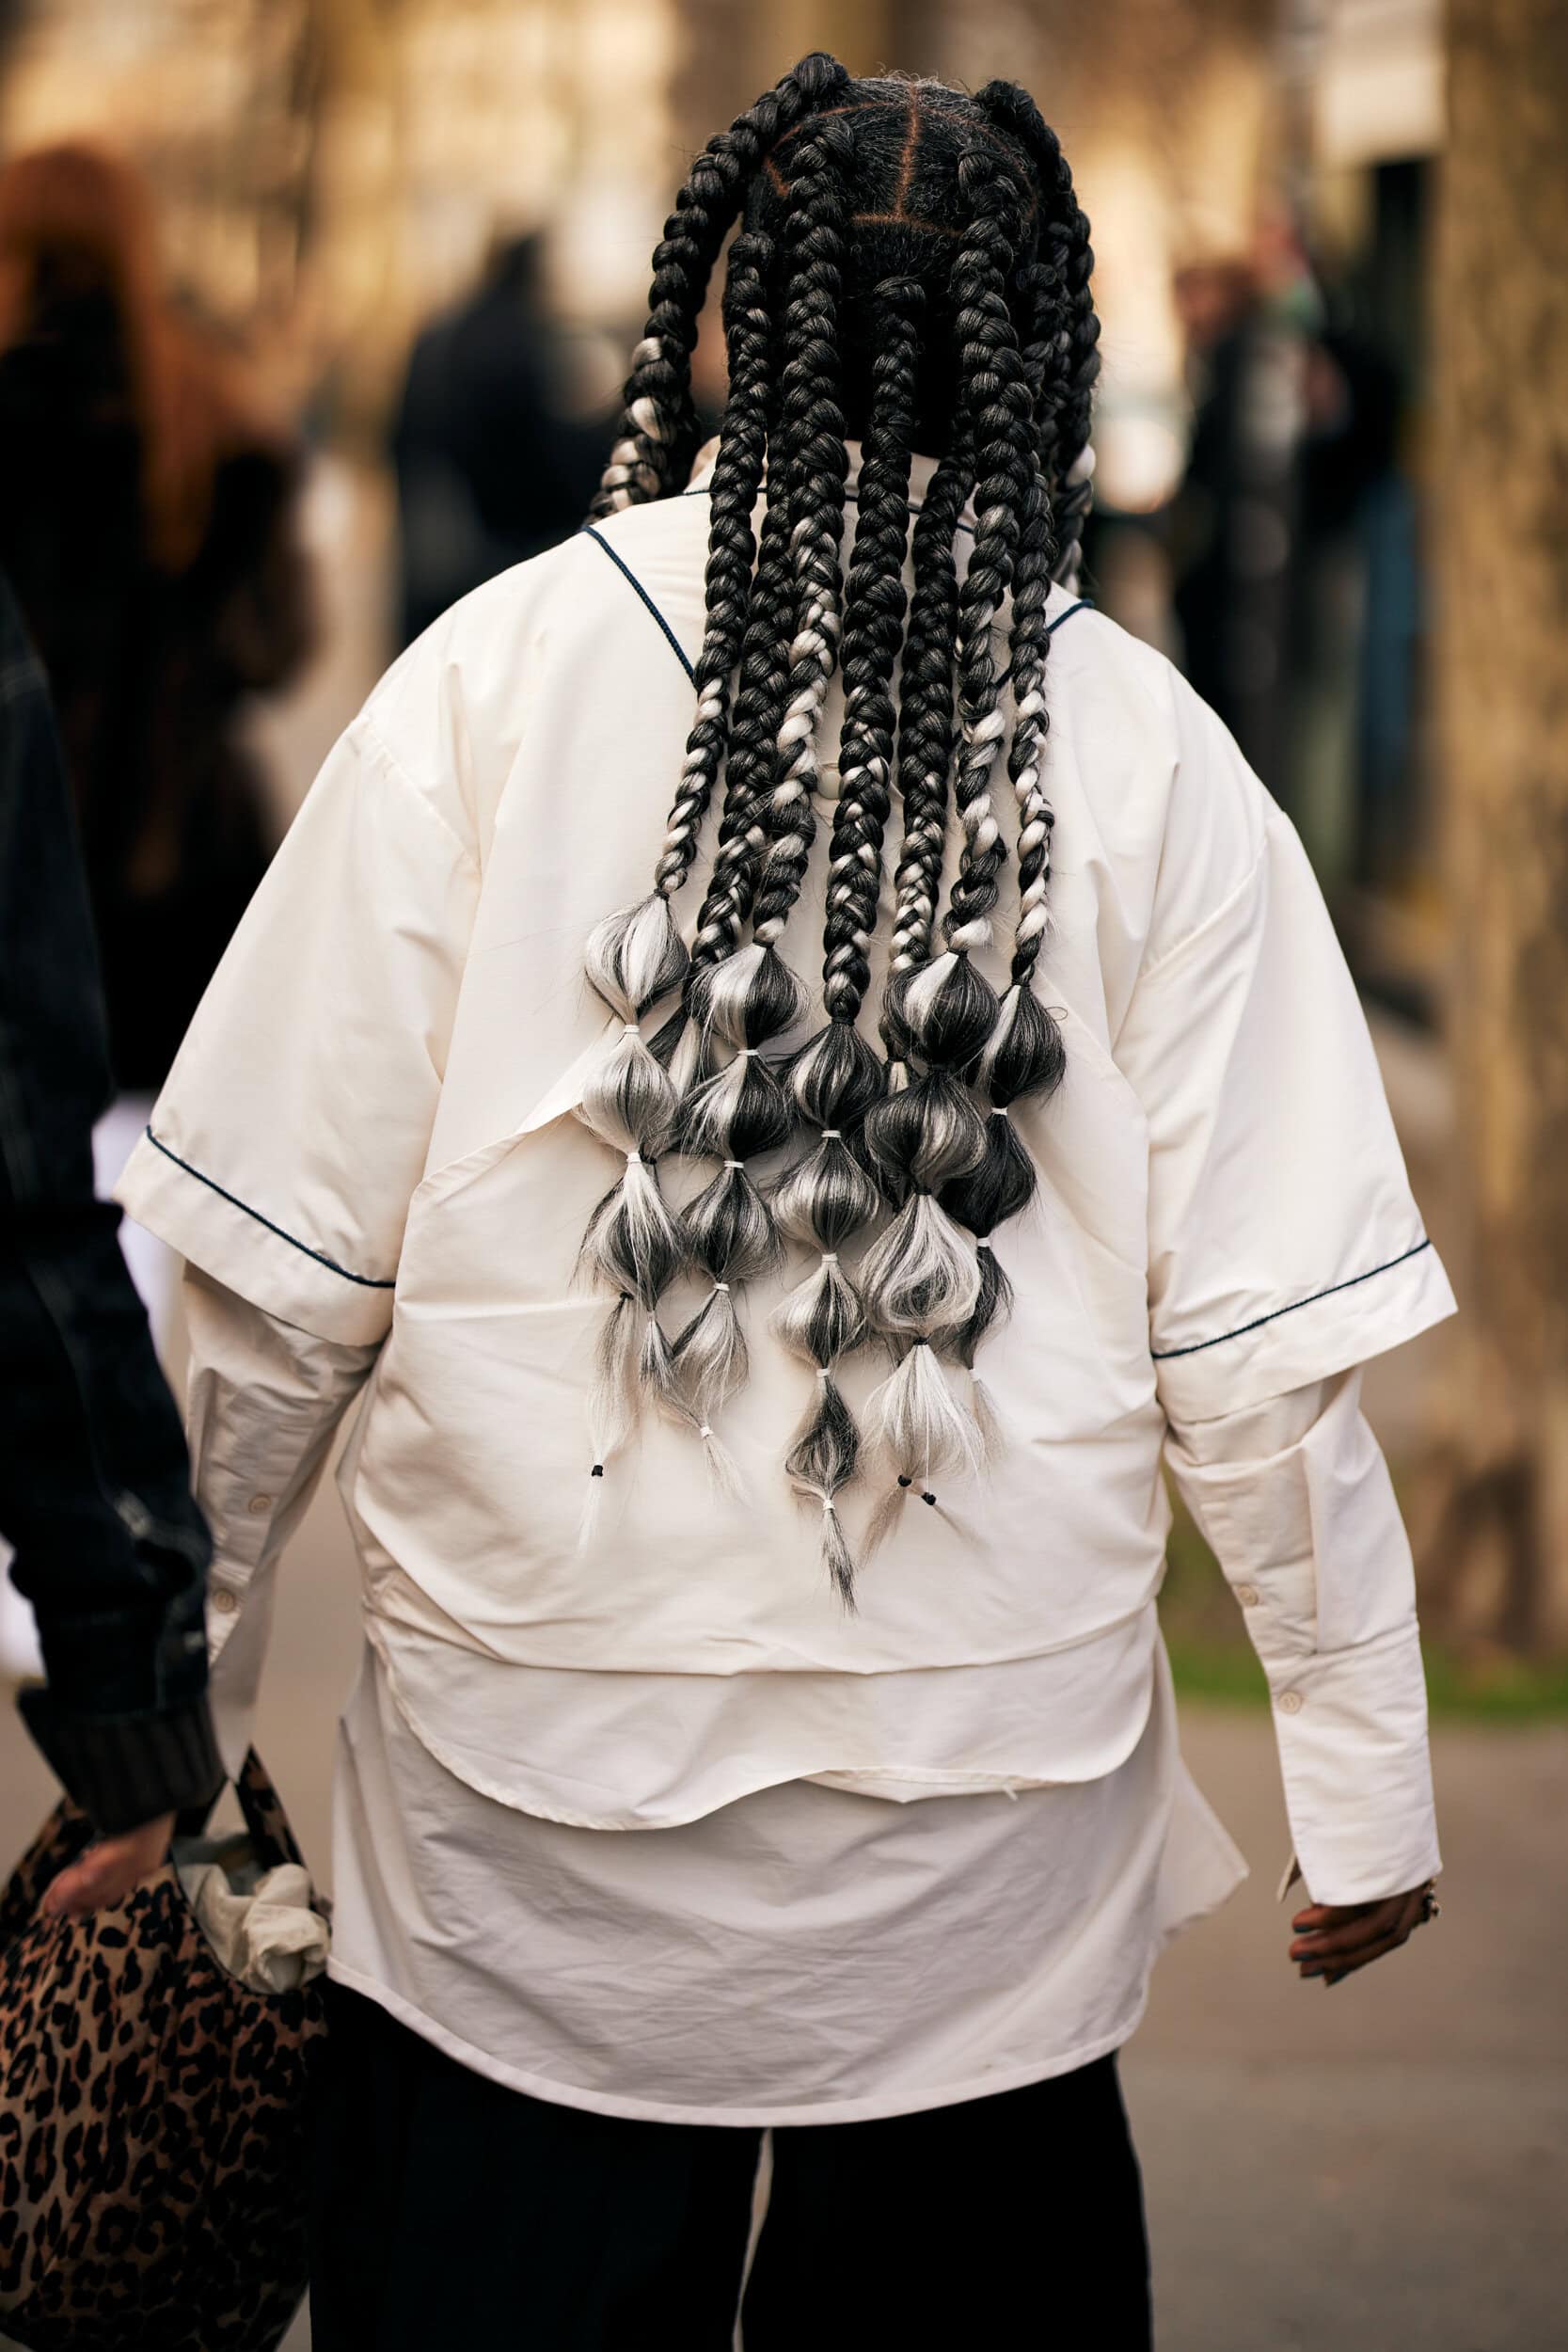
x: 368, y: 1136
x: 804, y: 1953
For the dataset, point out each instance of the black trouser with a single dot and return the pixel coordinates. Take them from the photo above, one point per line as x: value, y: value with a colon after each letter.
x: 450, y: 2212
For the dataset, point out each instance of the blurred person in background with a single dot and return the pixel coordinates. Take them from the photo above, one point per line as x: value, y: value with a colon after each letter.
x: 765, y: 1347
x: 148, y: 523
x: 492, y: 464
x: 94, y: 1493
x: 1234, y: 516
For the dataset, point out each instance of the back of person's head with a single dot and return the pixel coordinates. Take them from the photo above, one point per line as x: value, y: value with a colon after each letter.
x: 79, y: 269
x: 911, y: 268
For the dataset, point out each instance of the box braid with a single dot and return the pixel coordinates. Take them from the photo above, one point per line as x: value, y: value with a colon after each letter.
x: 1065, y: 390
x: 632, y: 1243
x: 1024, y: 1056
x: 749, y: 997
x: 925, y: 723
x: 919, y: 279
x: 827, y: 1196
x: 923, y: 1279
x: 658, y: 431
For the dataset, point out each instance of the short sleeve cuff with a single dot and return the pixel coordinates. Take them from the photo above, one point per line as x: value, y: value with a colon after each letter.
x: 1351, y: 1731
x: 1353, y: 1317
x: 250, y: 1251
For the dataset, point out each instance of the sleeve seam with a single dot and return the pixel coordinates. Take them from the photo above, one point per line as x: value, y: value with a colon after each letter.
x: 366, y: 1281
x: 1164, y: 1355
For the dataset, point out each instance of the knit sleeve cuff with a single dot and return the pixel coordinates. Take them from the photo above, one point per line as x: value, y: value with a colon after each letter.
x: 124, y: 1770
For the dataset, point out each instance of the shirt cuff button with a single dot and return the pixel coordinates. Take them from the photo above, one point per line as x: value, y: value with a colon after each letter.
x: 258, y: 1503
x: 1291, y: 1702
x: 1247, y: 1595
x: 225, y: 1602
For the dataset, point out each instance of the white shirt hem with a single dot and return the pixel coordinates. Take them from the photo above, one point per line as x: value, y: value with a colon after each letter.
x: 868, y: 2109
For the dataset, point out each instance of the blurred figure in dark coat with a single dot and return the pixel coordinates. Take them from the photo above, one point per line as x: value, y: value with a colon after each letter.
x: 491, y: 466
x: 148, y: 522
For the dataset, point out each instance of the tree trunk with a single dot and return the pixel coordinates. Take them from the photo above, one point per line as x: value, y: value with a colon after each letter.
x: 1496, y: 1554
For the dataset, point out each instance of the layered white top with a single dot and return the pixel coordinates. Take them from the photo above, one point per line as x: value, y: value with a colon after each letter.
x: 368, y: 1136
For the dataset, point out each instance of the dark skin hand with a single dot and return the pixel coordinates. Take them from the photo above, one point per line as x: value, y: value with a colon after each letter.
x: 1333, y: 1940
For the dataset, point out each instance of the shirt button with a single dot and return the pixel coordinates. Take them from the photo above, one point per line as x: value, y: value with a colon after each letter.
x: 1291, y: 1702
x: 258, y: 1503
x: 1247, y: 1595
x: 225, y: 1602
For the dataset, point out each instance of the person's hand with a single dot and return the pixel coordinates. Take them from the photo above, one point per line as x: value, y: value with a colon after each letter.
x: 1334, y: 1939
x: 108, y: 1871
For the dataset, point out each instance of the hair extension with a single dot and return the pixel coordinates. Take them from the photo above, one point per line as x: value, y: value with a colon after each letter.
x: 658, y: 426
x: 827, y: 1196
x: 637, y: 956
x: 911, y: 267
x: 923, y: 1279
x: 748, y: 997
x: 1067, y: 389
x: 925, y: 723
x: 1024, y: 1056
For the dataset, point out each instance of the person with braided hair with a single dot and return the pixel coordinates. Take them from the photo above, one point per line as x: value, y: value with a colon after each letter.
x: 786, y: 931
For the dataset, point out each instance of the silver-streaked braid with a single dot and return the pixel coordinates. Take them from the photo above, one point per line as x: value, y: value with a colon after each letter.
x: 925, y: 723
x: 633, y: 1243
x: 1066, y: 383
x: 1023, y: 1056
x: 749, y: 998
x: 828, y: 1198
x: 923, y: 1279
x: 659, y: 427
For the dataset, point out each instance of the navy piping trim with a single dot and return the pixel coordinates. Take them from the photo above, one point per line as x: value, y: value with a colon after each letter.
x: 1163, y: 1355
x: 628, y: 572
x: 366, y: 1281
x: 1084, y: 604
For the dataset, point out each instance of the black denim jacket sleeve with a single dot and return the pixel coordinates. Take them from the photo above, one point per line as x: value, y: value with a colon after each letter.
x: 111, y: 1551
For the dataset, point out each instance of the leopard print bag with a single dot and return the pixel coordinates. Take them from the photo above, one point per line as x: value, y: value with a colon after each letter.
x: 153, y: 2117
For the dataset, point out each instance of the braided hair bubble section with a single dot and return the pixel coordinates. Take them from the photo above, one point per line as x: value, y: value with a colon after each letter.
x: 829, y: 1197
x: 748, y: 997
x: 923, y: 1279
x: 637, y: 956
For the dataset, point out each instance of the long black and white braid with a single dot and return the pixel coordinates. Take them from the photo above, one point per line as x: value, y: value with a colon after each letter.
x: 921, y: 1279
x: 1071, y: 364
x: 633, y: 1242
x: 659, y: 430
x: 827, y: 1196
x: 746, y: 999
x: 1024, y: 1057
